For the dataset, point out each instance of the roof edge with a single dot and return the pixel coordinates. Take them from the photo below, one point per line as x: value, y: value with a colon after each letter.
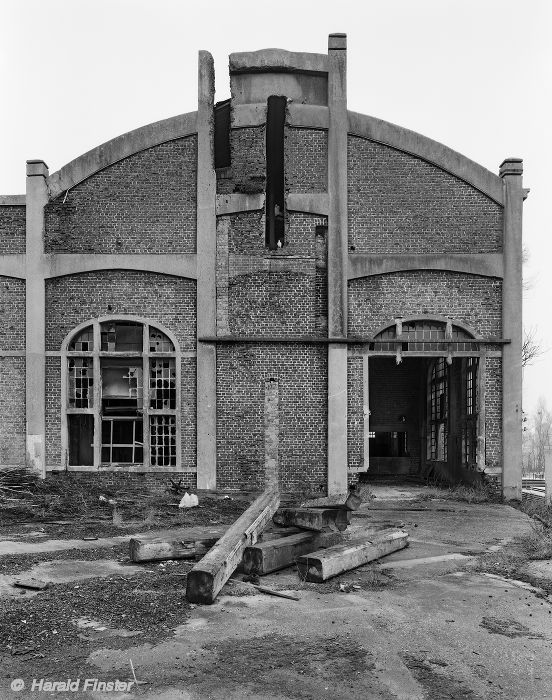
x: 429, y: 150
x: 277, y: 60
x: 120, y: 147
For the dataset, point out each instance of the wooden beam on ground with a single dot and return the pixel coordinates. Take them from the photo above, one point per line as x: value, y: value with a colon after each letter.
x: 264, y: 557
x: 211, y: 573
x: 313, y: 518
x: 348, y: 501
x: 327, y: 563
x: 160, y: 549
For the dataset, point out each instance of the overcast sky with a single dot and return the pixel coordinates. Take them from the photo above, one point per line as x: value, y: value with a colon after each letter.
x: 473, y: 74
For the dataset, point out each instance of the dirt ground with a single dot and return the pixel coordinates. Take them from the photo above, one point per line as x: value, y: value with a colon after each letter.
x: 428, y: 622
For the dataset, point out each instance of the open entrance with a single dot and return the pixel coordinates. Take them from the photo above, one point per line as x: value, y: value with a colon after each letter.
x: 424, y: 403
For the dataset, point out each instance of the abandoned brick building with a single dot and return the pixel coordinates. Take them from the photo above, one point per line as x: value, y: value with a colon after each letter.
x: 269, y: 287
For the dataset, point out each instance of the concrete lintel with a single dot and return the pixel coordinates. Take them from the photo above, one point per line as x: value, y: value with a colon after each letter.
x: 248, y: 115
x: 235, y: 203
x: 12, y: 266
x: 308, y: 203
x: 308, y: 116
x: 431, y: 151
x: 13, y: 200
x: 277, y: 60
x: 177, y: 265
x: 120, y: 147
x: 484, y: 264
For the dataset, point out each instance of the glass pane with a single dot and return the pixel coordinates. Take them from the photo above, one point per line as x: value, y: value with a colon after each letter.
x: 121, y: 336
x: 80, y: 382
x: 162, y: 384
x: 163, y: 441
x: 83, y: 341
x: 159, y: 342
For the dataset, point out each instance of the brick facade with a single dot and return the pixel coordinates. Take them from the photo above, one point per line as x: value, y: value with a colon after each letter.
x: 12, y: 230
x: 401, y: 204
x: 306, y: 160
x: 12, y: 410
x: 145, y: 203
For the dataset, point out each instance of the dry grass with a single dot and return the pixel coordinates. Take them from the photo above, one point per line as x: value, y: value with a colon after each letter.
x: 480, y: 493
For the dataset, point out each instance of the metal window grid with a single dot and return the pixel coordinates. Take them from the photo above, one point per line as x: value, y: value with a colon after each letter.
x: 81, y: 382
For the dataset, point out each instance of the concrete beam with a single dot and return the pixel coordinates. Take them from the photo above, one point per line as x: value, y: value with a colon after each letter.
x: 12, y: 266
x: 177, y: 265
x: 308, y: 116
x: 337, y: 263
x: 206, y: 414
x: 238, y: 202
x: 248, y: 115
x: 309, y: 203
x: 35, y: 322
x: 367, y: 264
x: 511, y: 172
x: 431, y: 151
x: 13, y: 200
x: 277, y: 60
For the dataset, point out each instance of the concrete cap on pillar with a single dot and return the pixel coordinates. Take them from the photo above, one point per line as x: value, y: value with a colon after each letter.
x: 37, y: 167
x: 337, y: 41
x: 511, y: 166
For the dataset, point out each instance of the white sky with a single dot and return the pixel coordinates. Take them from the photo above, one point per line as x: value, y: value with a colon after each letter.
x: 473, y: 74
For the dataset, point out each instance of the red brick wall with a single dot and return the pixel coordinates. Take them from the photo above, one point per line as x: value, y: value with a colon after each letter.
x: 400, y: 204
x: 471, y: 299
x: 12, y: 410
x: 12, y: 229
x: 241, y: 374
x: 169, y: 301
x: 306, y: 160
x: 12, y: 312
x: 114, y: 481
x: 145, y: 203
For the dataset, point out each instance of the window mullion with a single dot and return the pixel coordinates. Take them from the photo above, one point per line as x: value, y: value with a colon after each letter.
x: 146, y: 397
x: 97, y: 394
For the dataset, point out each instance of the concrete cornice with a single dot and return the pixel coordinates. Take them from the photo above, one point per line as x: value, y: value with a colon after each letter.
x: 120, y: 147
x: 177, y: 265
x: 12, y: 266
x: 13, y: 200
x: 431, y: 151
x: 239, y: 202
x: 484, y: 264
x: 308, y: 116
x: 308, y: 203
x: 277, y: 61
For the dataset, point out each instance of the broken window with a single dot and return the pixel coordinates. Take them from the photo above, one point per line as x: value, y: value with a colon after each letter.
x: 275, y: 179
x: 81, y: 382
x: 163, y: 441
x: 83, y: 342
x: 134, y: 421
x: 469, y: 413
x: 425, y: 336
x: 438, y: 418
x: 121, y: 336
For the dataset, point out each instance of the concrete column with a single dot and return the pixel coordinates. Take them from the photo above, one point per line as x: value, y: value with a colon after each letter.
x: 511, y: 173
x: 206, y: 414
x: 35, y: 323
x: 337, y: 262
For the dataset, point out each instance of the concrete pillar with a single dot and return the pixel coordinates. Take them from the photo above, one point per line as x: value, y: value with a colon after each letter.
x: 337, y: 262
x: 206, y: 285
x: 35, y: 323
x: 548, y: 474
x: 511, y: 173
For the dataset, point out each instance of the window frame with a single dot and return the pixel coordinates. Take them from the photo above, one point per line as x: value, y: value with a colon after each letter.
x: 97, y: 355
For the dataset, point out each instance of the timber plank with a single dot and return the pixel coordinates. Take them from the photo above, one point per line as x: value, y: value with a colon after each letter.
x: 348, y: 501
x: 211, y: 573
x: 327, y: 563
x: 313, y: 518
x: 265, y: 557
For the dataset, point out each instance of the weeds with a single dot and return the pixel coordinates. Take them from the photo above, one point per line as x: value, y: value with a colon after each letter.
x: 476, y: 493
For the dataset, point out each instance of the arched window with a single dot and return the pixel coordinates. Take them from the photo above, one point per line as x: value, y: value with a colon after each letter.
x: 423, y: 335
x: 121, y: 396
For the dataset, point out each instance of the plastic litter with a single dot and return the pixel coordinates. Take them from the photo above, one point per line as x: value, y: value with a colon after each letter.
x: 189, y: 501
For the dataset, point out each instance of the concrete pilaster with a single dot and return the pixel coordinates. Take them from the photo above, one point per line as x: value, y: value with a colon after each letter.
x: 511, y: 172
x: 35, y: 345
x: 337, y: 262
x: 206, y: 284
